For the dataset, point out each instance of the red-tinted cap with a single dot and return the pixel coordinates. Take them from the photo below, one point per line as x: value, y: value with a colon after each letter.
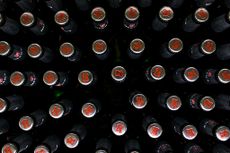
x: 17, y: 78
x: 118, y: 73
x: 208, y: 46
x: 26, y: 123
x: 85, y: 77
x: 56, y: 111
x: 189, y: 132
x: 89, y: 110
x: 9, y: 148
x: 224, y: 76
x: 66, y: 49
x: 27, y: 19
x: 166, y: 13
x: 175, y: 45
x: 157, y: 72
x: 223, y: 133
x: 132, y: 13
x: 191, y: 74
x: 98, y: 14
x: 154, y: 130
x: 139, y: 101
x: 119, y: 128
x: 173, y: 102
x: 137, y: 46
x: 34, y: 50
x: 99, y: 46
x: 207, y: 103
x: 41, y: 149
x: 4, y: 48
x: 201, y: 15
x: 3, y: 105
x: 61, y: 17
x: 71, y: 140
x: 50, y: 78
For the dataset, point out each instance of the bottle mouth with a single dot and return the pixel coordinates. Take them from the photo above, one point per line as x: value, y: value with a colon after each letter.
x: 191, y: 74
x: 71, y: 140
x: 50, y: 78
x: 119, y: 73
x: 56, y: 111
x: 99, y: 46
x: 137, y: 46
x: 66, y: 49
x: 27, y: 19
x: 17, y: 78
x: 89, y: 110
x: 201, y: 15
x: 98, y: 14
x: 166, y: 13
x: 61, y: 18
x: 34, y: 50
x: 26, y: 123
x: 224, y: 76
x: 207, y: 103
x: 101, y: 151
x: 157, y: 72
x: 189, y: 132
x: 223, y: 133
x: 119, y: 128
x: 154, y: 130
x: 139, y: 101
x: 85, y: 77
x: 41, y: 149
x: 174, y: 103
x: 9, y: 147
x: 175, y: 45
x: 132, y: 13
x: 208, y: 46
x: 4, y: 48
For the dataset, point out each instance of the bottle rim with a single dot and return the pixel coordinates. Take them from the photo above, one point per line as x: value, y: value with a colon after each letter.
x: 66, y: 49
x: 41, y: 148
x: 154, y: 130
x: 26, y: 123
x: 141, y: 102
x: 191, y: 74
x: 89, y: 110
x: 221, y: 76
x: 223, y: 133
x: 137, y: 46
x: 3, y: 105
x: 175, y: 45
x: 134, y: 13
x: 189, y: 132
x: 85, y: 77
x: 173, y: 102
x: 71, y: 140
x: 101, y: 49
x: 166, y: 13
x: 34, y: 50
x: 61, y: 18
x: 98, y: 14
x: 207, y: 103
x: 50, y: 78
x: 10, y: 147
x: 201, y: 15
x: 119, y: 73
x: 160, y: 72
x: 208, y: 46
x: 119, y: 128
x: 27, y: 19
x: 56, y: 111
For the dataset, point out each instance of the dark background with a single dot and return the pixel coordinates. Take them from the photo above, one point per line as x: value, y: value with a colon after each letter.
x: 113, y: 96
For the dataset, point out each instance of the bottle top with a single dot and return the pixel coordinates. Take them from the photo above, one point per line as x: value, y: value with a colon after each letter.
x: 208, y: 46
x: 137, y: 46
x: 132, y: 13
x: 175, y: 45
x: 139, y: 101
x: 224, y: 76
x: 89, y: 110
x: 41, y: 149
x: 34, y: 50
x: 50, y: 78
x: 207, y: 103
x: 154, y: 130
x: 56, y: 111
x: 9, y: 147
x: 3, y: 105
x: 85, y: 77
x: 66, y: 49
x: 173, y: 102
x: 27, y: 19
x: 223, y: 133
x: 191, y: 74
x: 61, y: 18
x: 166, y: 13
x: 99, y: 46
x: 71, y: 140
x: 201, y: 15
x: 119, y: 73
x: 26, y: 123
x: 98, y: 14
x: 4, y: 48
x: 119, y: 128
x: 157, y: 72
x: 189, y: 132
x: 17, y: 78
